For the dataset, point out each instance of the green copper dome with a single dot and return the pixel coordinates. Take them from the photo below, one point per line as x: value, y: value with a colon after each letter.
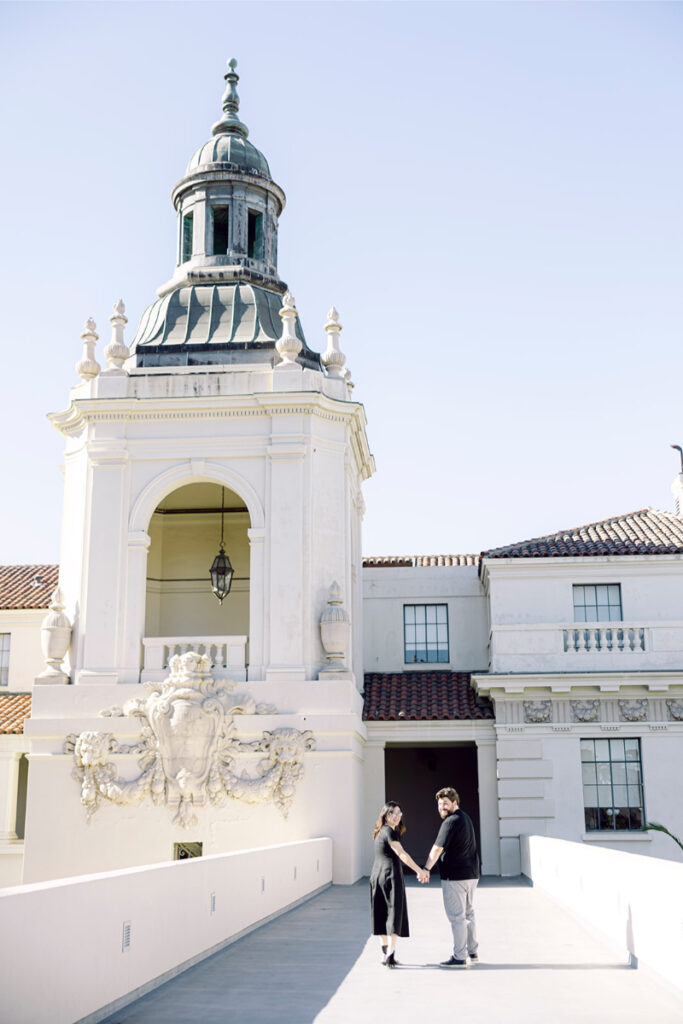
x: 229, y: 143
x: 230, y: 148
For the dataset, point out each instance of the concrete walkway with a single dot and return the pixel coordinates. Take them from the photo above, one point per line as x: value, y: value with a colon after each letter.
x: 317, y: 963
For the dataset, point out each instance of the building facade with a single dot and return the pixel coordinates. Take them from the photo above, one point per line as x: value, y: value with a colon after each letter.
x: 211, y: 542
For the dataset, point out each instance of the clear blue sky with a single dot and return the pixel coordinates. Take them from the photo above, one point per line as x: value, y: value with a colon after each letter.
x: 489, y: 193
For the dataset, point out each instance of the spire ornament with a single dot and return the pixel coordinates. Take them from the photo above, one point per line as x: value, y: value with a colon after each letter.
x: 333, y: 358
x: 88, y: 367
x: 288, y: 345
x: 116, y: 352
x: 230, y: 121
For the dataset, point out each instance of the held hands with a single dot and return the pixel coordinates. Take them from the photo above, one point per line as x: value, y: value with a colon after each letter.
x: 423, y: 875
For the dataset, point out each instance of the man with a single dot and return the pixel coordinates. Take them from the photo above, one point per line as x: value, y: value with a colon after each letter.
x: 456, y: 848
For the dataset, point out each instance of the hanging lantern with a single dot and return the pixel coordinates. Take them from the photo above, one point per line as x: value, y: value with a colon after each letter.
x: 221, y: 570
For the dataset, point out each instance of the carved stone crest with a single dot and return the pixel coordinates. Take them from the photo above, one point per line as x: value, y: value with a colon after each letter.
x: 188, y: 749
x: 675, y: 709
x: 585, y: 710
x: 634, y: 710
x: 537, y: 710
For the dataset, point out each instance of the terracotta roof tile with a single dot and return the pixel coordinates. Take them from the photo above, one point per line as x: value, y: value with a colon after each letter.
x: 422, y: 697
x: 645, y: 532
x: 417, y: 561
x: 14, y: 709
x: 27, y: 586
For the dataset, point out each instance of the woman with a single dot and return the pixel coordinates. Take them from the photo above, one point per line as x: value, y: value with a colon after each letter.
x: 388, y: 911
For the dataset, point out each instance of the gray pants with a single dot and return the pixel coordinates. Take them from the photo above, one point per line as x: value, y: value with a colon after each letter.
x: 458, y: 903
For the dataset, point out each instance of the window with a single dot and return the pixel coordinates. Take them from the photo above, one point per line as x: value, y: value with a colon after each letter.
x: 188, y: 221
x: 612, y: 785
x: 597, y: 602
x: 425, y: 632
x: 4, y: 659
x: 186, y: 851
x: 255, y: 236
x: 220, y: 218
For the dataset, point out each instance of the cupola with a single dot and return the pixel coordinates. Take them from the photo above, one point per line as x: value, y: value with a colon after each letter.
x: 222, y: 304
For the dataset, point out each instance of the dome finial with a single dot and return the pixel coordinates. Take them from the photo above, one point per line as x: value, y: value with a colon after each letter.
x: 230, y: 121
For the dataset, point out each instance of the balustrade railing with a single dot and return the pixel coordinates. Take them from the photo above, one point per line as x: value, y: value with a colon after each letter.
x: 596, y: 639
x: 227, y: 653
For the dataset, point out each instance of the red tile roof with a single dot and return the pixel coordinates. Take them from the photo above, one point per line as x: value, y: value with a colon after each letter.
x: 27, y: 586
x: 417, y: 561
x: 422, y: 697
x: 645, y: 532
x: 14, y: 709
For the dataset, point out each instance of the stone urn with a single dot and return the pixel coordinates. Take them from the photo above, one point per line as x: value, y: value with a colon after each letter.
x: 334, y: 632
x: 55, y: 638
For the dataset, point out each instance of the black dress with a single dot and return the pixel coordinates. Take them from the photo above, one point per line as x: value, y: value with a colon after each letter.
x: 388, y: 910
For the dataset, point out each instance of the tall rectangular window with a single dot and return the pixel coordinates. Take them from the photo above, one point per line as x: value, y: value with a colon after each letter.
x: 597, y: 602
x: 220, y: 217
x: 4, y: 659
x: 612, y: 785
x: 425, y: 633
x: 255, y: 236
x: 188, y: 222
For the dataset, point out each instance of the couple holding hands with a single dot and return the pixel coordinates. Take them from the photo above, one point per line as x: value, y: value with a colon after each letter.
x: 455, y: 848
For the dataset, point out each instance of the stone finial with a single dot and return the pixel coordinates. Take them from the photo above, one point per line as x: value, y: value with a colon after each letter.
x: 55, y: 637
x: 116, y: 352
x: 288, y: 345
x: 230, y: 121
x: 333, y: 358
x: 334, y: 633
x: 88, y: 367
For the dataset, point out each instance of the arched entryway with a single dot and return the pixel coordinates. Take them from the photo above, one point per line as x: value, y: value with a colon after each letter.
x: 185, y: 535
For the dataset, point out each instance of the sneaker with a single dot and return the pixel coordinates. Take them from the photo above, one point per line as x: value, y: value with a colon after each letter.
x: 452, y: 962
x: 473, y: 958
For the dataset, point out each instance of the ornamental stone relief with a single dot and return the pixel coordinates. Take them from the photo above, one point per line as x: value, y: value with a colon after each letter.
x: 633, y: 710
x: 675, y: 709
x: 537, y: 710
x: 585, y: 710
x: 188, y: 749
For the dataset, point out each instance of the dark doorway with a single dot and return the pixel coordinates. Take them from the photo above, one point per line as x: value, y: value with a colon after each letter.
x: 413, y: 775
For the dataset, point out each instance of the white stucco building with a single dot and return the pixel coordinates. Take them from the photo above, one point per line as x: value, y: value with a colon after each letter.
x: 543, y: 679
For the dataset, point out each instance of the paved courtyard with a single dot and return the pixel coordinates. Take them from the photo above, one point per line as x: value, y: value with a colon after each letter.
x: 318, y: 964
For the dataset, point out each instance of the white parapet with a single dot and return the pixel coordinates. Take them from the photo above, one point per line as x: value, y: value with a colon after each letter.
x: 129, y: 931
x: 633, y: 900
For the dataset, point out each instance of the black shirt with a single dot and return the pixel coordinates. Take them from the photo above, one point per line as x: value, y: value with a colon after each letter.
x: 459, y: 859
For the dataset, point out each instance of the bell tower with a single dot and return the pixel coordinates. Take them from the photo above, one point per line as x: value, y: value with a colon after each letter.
x: 216, y: 426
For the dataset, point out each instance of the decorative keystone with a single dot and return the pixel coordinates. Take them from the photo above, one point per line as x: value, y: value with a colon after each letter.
x: 333, y: 358
x: 288, y: 345
x: 116, y: 352
x: 88, y: 367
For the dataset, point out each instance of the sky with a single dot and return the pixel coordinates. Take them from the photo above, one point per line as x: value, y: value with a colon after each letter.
x: 489, y: 193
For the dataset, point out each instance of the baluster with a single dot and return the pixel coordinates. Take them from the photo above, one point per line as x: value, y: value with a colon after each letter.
x: 632, y: 639
x: 223, y: 647
x: 587, y: 639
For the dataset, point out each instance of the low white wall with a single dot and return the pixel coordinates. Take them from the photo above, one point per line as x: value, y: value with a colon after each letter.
x: 62, y: 956
x: 635, y: 901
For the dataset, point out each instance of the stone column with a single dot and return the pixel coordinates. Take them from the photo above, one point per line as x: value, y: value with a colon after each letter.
x: 488, y: 806
x: 256, y: 602
x: 135, y: 605
x: 9, y: 782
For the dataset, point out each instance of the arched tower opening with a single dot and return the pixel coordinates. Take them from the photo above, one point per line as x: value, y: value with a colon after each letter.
x: 185, y: 532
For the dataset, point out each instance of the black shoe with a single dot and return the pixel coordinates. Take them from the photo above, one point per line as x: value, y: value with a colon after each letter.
x: 452, y: 962
x: 390, y: 960
x: 473, y: 958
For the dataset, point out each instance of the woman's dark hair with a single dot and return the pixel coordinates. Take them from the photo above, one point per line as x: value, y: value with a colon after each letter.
x: 389, y: 806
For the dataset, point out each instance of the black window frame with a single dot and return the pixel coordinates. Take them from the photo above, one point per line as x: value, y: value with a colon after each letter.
x: 608, y: 770
x: 411, y: 651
